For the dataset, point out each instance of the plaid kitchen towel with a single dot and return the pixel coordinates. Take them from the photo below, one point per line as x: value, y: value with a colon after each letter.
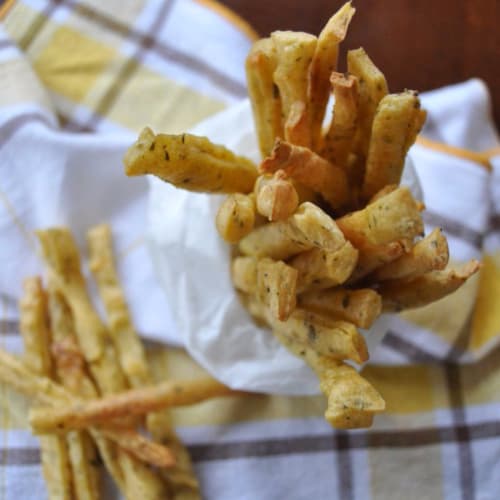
x: 69, y: 68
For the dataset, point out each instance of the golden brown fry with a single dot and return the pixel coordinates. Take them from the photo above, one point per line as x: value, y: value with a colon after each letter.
x: 295, y: 51
x: 372, y: 88
x: 264, y: 93
x: 70, y: 370
x: 319, y: 269
x: 394, y: 121
x: 277, y: 287
x: 308, y: 227
x: 244, y: 274
x: 132, y: 402
x: 327, y: 337
x: 360, y: 307
x: 323, y: 63
x: 309, y: 169
x: 393, y: 217
x: 235, y: 217
x: 338, y: 141
x: 35, y: 332
x: 190, y: 162
x: 429, y: 254
x: 389, y: 188
x: 372, y: 257
x: 409, y: 293
x: 352, y: 400
x: 133, y: 358
x: 276, y: 196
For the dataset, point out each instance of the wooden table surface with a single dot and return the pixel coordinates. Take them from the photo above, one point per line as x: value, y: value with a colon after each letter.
x: 418, y: 44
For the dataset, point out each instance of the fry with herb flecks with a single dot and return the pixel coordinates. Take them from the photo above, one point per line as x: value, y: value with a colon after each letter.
x: 36, y: 335
x: 323, y: 63
x: 190, y: 162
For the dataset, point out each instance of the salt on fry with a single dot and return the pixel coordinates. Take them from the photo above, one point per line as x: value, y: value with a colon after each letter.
x: 309, y: 169
x: 276, y: 196
x: 392, y: 217
x: 36, y: 335
x: 360, y: 307
x: 409, y: 293
x: 323, y: 63
x: 132, y: 355
x: 277, y: 287
x: 338, y: 141
x: 308, y: 227
x: 429, y: 254
x: 295, y: 51
x: 394, y: 121
x: 320, y: 269
x: 264, y: 93
x: 191, y: 162
x: 372, y: 88
x: 235, y: 217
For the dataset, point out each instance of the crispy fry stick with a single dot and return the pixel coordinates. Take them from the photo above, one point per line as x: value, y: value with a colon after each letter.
x: 277, y: 287
x: 393, y: 217
x: 338, y: 141
x: 70, y: 370
x: 277, y: 198
x: 323, y: 63
x: 372, y: 88
x: 360, y: 307
x: 295, y: 51
x: 132, y: 355
x: 244, y: 274
x: 309, y: 169
x: 61, y: 254
x: 308, y: 227
x: 394, y: 121
x: 327, y: 337
x: 319, y: 269
x: 235, y: 217
x: 132, y: 402
x: 34, y: 329
x: 190, y: 162
x: 264, y: 93
x: 339, y: 382
x: 422, y: 290
x: 429, y: 254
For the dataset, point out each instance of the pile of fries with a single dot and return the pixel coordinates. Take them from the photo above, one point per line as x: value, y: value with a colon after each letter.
x: 325, y: 239
x: 92, y: 385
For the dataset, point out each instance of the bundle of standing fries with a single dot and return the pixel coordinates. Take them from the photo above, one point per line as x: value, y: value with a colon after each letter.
x: 92, y: 385
x: 324, y: 237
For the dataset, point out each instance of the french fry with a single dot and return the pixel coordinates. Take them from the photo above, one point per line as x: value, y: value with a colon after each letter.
x: 244, y: 274
x: 409, y: 293
x: 132, y: 355
x: 190, y: 162
x: 327, y: 337
x: 277, y: 287
x: 372, y: 257
x: 62, y: 257
x: 392, y: 217
x: 323, y: 63
x: 338, y: 141
x: 308, y: 227
x: 133, y: 402
x: 393, y: 123
x: 276, y: 196
x: 319, y: 269
x: 34, y: 329
x: 389, y: 188
x: 309, y: 169
x: 372, y: 88
x: 360, y: 307
x: 295, y: 51
x: 235, y: 217
x: 69, y: 366
x: 429, y: 254
x: 264, y: 93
